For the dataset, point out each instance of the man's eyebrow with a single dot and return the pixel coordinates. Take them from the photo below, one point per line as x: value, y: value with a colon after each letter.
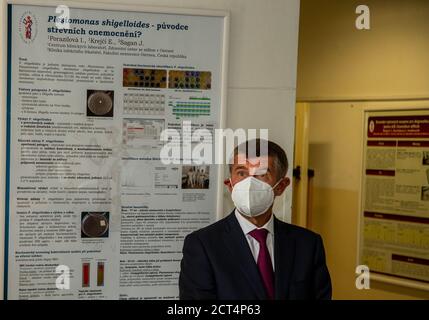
x: 240, y: 167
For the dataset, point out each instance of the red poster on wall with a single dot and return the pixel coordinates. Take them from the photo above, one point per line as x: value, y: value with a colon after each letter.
x: 394, y: 222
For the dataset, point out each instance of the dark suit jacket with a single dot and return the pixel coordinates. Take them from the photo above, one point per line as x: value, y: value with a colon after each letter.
x: 218, y: 264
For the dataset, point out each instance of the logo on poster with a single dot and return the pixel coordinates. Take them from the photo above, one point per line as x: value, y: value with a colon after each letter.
x: 28, y: 27
x: 371, y: 126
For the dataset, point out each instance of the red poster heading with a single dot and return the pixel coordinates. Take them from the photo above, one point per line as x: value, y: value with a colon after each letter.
x: 386, y: 173
x: 381, y: 143
x: 417, y: 144
x: 399, y: 127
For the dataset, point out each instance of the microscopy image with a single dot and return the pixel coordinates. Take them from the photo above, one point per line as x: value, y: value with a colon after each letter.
x: 99, y: 103
x: 95, y: 225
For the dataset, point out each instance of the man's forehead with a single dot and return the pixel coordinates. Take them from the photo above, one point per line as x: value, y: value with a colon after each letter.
x: 257, y: 164
x: 256, y: 161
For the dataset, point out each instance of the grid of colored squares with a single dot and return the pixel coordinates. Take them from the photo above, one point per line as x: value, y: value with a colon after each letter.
x: 157, y: 78
x: 144, y: 78
x: 146, y: 104
x: 189, y: 80
x: 86, y: 274
x: 191, y: 109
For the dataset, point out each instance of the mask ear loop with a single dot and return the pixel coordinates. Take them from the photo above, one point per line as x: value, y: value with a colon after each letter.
x: 277, y: 183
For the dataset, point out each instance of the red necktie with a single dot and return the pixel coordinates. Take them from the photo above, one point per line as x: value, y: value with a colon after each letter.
x: 264, y: 261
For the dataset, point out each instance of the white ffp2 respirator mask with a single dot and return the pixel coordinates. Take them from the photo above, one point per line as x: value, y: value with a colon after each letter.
x: 252, y: 197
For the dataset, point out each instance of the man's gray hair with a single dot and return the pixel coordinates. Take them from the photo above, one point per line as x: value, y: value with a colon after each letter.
x: 274, y: 150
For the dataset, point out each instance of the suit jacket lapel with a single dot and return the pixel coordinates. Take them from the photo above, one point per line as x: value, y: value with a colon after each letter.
x: 284, y: 256
x: 236, y: 243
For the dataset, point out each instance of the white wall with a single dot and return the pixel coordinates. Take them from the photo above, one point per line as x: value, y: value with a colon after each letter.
x: 261, y: 76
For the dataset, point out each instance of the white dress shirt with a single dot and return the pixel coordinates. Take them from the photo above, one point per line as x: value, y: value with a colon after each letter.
x: 247, y: 226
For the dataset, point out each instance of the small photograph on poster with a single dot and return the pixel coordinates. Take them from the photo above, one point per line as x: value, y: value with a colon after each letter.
x: 178, y: 79
x: 94, y: 225
x: 139, y: 133
x: 100, y: 274
x: 144, y: 78
x: 86, y: 267
x: 195, y: 177
x: 99, y: 103
x: 425, y: 160
x: 425, y: 193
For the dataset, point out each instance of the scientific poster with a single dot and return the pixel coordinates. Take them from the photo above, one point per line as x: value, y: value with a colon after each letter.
x: 395, y: 194
x: 86, y: 188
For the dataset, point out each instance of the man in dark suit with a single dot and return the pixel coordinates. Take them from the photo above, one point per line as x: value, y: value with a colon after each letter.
x: 251, y: 254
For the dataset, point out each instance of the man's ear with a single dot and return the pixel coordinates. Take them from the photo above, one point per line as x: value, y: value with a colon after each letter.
x: 227, y: 183
x: 284, y: 182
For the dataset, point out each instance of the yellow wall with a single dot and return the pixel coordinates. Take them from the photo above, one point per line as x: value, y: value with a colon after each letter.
x: 338, y: 63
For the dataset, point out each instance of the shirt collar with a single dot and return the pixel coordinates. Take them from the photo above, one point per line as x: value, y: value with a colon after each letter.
x: 247, y: 226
